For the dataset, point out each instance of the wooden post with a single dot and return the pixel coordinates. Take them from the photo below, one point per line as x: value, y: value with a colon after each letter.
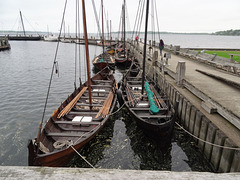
x: 180, y: 73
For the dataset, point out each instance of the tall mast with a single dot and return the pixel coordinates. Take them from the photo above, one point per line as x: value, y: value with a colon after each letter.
x: 87, y: 53
x: 110, y: 31
x: 102, y: 29
x: 145, y: 47
x: 22, y: 23
x: 124, y: 29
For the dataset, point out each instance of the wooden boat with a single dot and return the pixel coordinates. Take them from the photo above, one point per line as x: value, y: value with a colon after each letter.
x: 146, y: 102
x: 78, y: 126
x: 103, y: 60
x: 157, y: 122
x: 122, y: 59
x: 106, y: 43
x: 24, y: 37
x: 77, y: 120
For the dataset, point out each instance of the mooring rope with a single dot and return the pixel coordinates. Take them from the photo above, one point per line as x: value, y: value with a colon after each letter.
x: 118, y: 109
x: 82, y: 157
x: 216, y: 145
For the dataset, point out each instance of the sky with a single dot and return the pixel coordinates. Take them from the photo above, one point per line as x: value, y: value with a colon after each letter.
x: 183, y: 16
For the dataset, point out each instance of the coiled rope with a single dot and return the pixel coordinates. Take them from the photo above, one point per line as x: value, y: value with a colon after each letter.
x: 216, y: 145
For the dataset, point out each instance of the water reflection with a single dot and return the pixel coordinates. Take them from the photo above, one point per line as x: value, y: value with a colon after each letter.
x: 123, y: 145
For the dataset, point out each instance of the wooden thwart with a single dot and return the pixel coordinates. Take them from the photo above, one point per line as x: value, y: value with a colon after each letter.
x: 70, y: 105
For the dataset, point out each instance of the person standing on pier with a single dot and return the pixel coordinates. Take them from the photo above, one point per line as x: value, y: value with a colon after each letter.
x: 137, y: 38
x: 161, y: 46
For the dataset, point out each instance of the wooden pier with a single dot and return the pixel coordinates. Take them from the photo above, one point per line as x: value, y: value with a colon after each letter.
x: 20, y: 172
x: 207, y: 89
x: 4, y: 44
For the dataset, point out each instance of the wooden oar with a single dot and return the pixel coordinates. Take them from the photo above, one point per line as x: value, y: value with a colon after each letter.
x: 159, y: 101
x: 70, y: 105
x: 106, y: 106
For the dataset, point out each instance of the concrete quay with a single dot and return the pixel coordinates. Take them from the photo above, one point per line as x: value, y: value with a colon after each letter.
x: 209, y: 102
x: 16, y: 172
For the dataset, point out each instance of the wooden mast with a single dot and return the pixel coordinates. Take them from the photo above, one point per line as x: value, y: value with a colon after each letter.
x: 87, y: 53
x: 145, y: 47
x: 102, y: 30
x: 110, y: 33
x: 22, y: 24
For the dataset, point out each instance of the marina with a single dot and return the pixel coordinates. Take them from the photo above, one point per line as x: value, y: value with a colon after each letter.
x: 120, y: 104
x: 32, y: 75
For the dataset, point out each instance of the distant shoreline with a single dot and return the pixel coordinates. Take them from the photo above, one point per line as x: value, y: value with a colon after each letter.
x: 221, y: 33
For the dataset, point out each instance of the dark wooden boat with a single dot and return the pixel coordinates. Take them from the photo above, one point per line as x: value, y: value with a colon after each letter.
x: 122, y: 59
x: 24, y: 37
x: 103, y: 60
x: 78, y: 126
x: 146, y: 102
x: 79, y: 118
x: 157, y: 123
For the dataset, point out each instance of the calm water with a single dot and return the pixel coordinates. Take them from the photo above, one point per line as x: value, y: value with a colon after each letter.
x: 199, y: 41
x: 25, y: 72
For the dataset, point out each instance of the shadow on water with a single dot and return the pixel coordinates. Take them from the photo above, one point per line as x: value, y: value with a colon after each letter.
x: 123, y: 145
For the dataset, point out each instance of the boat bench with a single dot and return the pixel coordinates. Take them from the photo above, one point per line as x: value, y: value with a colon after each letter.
x: 76, y: 123
x: 82, y: 112
x: 94, y: 105
x: 66, y: 134
x: 107, y: 81
x: 101, y: 85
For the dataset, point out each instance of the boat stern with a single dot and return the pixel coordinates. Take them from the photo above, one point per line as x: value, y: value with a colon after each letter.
x: 32, y: 151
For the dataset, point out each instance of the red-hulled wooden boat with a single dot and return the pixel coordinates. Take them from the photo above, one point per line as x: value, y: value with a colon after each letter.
x: 80, y: 117
x: 78, y: 126
x: 103, y: 60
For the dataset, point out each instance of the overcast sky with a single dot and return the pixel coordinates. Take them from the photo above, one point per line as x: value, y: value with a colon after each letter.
x: 173, y: 15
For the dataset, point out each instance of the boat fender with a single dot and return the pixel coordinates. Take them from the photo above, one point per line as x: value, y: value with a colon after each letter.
x: 119, y: 84
x: 119, y: 97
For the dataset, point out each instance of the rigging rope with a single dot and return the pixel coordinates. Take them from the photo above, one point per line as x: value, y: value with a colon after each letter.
x: 120, y: 23
x: 96, y: 17
x: 31, y: 25
x: 140, y: 17
x: 54, y: 63
x: 127, y: 17
x: 157, y: 21
x: 136, y: 19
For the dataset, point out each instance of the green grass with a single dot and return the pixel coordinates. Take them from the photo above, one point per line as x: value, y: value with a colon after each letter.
x: 225, y: 54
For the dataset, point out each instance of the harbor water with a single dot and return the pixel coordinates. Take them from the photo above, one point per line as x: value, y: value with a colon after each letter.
x: 25, y: 73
